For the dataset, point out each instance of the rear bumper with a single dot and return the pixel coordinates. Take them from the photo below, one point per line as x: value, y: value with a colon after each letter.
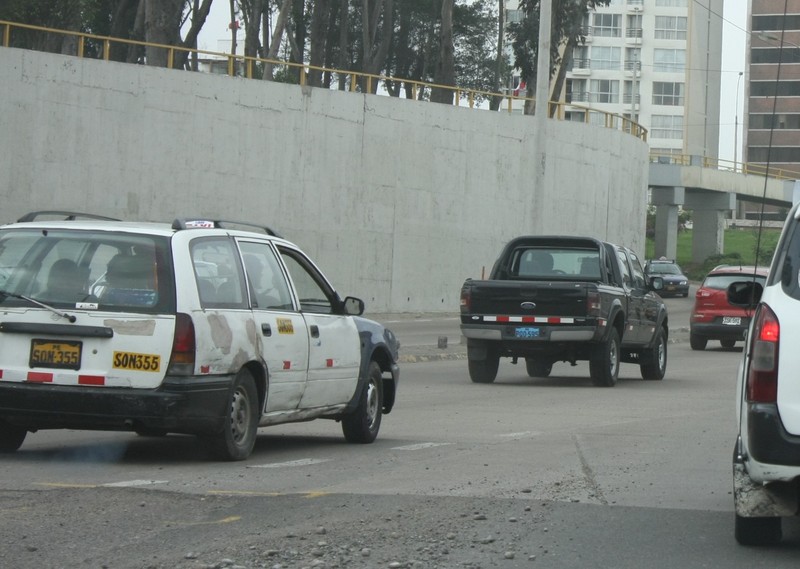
x: 193, y: 405
x: 767, y: 441
x: 715, y: 331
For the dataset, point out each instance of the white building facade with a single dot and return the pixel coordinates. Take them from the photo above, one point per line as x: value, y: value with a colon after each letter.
x: 656, y: 62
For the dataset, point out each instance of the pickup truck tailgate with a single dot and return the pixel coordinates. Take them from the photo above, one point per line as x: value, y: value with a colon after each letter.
x: 528, y: 298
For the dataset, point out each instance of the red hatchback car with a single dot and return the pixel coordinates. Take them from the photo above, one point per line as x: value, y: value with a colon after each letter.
x: 713, y: 318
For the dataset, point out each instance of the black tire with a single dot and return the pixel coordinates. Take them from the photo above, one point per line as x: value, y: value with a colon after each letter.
x: 363, y: 424
x: 538, y: 368
x: 484, y: 371
x: 758, y: 531
x: 697, y: 342
x: 654, y: 360
x: 11, y: 437
x: 604, y: 363
x: 727, y: 343
x: 237, y: 439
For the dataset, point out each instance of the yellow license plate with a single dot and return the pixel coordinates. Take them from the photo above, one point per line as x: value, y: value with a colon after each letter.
x: 55, y: 354
x: 136, y: 362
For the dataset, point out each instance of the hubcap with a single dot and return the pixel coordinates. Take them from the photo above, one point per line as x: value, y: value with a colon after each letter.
x: 372, y: 403
x: 240, y: 412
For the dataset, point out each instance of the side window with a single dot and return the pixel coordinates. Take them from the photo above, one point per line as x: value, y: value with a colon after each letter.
x: 268, y: 286
x: 216, y: 269
x: 789, y: 262
x: 626, y: 272
x: 638, y: 273
x: 314, y: 294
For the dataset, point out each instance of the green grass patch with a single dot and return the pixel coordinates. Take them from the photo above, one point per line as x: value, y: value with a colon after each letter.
x: 739, y: 248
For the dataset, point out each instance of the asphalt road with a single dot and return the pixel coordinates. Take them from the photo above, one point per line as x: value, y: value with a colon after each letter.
x: 524, y: 472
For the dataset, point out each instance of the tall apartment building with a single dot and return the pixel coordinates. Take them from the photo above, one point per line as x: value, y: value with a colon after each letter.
x: 657, y: 62
x: 771, y: 118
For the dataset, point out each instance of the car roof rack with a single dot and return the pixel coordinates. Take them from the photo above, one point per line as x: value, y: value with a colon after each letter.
x: 205, y: 223
x: 67, y: 215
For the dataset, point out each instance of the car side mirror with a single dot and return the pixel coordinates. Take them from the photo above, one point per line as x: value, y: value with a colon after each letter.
x: 655, y: 283
x: 745, y: 294
x: 353, y: 306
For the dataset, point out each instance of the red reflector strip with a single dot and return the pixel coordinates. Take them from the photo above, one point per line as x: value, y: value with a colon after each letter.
x: 40, y: 377
x: 329, y: 362
x: 530, y: 319
x: 91, y: 380
x: 287, y: 364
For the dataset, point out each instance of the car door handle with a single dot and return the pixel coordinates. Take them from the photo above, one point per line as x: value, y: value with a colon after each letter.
x: 266, y: 330
x: 314, y: 331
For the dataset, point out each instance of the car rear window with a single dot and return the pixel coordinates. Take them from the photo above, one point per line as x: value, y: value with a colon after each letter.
x: 722, y: 281
x: 787, y: 261
x: 536, y: 262
x: 93, y: 270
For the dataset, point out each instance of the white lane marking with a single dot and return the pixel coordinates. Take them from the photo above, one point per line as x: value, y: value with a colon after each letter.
x: 132, y: 483
x: 420, y: 446
x: 521, y: 435
x: 291, y: 463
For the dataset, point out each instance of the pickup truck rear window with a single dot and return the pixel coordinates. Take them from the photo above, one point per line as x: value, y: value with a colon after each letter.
x: 539, y: 262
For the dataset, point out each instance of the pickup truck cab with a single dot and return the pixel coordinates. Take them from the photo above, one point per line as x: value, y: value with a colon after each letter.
x: 557, y: 298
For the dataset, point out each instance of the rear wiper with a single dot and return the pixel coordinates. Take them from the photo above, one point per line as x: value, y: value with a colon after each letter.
x: 70, y: 317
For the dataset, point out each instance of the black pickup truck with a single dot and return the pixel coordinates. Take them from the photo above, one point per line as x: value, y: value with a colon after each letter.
x: 556, y: 298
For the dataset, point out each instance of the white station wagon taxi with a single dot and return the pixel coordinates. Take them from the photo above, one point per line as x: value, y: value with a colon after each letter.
x: 193, y: 327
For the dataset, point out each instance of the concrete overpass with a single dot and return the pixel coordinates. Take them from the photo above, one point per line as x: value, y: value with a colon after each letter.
x: 711, y: 193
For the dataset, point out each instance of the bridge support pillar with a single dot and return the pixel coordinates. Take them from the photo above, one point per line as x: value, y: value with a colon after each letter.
x: 709, y: 210
x: 666, y: 200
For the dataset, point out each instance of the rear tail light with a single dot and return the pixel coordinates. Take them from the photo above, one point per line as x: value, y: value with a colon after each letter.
x: 465, y: 300
x: 181, y: 361
x: 593, y: 303
x: 762, y: 373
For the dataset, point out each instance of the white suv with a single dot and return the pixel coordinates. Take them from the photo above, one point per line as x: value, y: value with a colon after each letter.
x: 766, y: 460
x: 193, y: 327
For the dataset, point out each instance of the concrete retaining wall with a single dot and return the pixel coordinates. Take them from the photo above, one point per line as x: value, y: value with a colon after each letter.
x: 398, y: 201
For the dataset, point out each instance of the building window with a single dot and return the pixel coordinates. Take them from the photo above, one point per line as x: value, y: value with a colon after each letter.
x: 633, y: 29
x: 604, y: 91
x: 670, y: 28
x: 776, y: 23
x: 775, y: 155
x: 607, y: 25
x: 780, y: 121
x: 669, y: 60
x: 606, y: 58
x: 633, y: 58
x: 627, y: 95
x: 790, y: 54
x: 576, y: 91
x: 673, y: 3
x: 580, y: 57
x: 767, y: 89
x: 666, y: 126
x: 668, y: 93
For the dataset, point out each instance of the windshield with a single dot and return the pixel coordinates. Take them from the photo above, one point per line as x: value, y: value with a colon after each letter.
x: 86, y: 269
x: 664, y: 269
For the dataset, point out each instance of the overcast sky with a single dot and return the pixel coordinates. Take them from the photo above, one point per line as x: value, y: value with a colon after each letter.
x: 733, y: 54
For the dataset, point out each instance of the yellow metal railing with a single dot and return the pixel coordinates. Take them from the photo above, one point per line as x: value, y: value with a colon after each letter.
x: 728, y: 165
x: 353, y: 81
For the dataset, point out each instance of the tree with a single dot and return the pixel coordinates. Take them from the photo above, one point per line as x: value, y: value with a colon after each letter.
x: 376, y: 35
x: 445, y: 67
x: 566, y: 32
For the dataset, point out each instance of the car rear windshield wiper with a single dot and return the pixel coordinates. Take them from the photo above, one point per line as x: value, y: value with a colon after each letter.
x: 70, y: 317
